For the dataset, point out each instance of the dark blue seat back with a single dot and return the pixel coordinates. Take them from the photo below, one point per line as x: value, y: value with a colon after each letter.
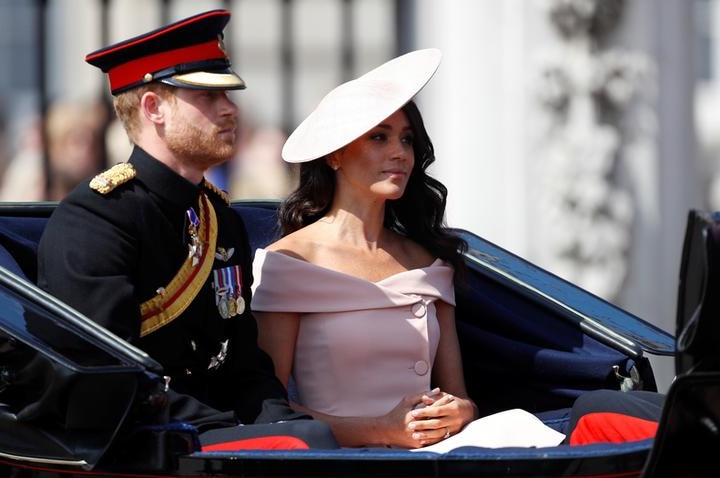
x: 19, y: 238
x: 261, y: 221
x: 516, y: 351
x: 20, y: 234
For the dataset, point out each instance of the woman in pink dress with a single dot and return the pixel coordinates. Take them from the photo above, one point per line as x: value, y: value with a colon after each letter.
x: 356, y: 301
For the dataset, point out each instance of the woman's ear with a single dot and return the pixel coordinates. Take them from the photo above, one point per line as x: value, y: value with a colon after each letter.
x: 333, y: 162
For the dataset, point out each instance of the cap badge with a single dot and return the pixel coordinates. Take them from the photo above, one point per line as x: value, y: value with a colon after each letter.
x: 221, y: 45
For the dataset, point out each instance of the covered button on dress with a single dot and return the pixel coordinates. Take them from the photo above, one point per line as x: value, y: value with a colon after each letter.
x: 361, y: 345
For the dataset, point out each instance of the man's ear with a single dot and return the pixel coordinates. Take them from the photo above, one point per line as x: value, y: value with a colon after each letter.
x: 150, y: 106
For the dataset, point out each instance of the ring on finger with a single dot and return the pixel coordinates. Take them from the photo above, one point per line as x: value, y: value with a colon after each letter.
x: 447, y: 432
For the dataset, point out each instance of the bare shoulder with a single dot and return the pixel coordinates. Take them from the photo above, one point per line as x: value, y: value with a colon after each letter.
x: 298, y: 244
x: 414, y: 255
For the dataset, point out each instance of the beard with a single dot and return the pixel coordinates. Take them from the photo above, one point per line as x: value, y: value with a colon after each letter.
x: 200, y: 147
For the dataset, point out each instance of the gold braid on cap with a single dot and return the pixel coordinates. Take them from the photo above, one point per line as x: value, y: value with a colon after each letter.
x: 112, y: 178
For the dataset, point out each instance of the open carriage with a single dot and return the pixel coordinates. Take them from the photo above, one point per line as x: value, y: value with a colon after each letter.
x: 529, y: 340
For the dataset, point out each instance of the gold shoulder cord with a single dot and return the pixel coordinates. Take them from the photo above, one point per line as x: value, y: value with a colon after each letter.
x: 172, y: 301
x: 112, y: 178
x: 222, y: 194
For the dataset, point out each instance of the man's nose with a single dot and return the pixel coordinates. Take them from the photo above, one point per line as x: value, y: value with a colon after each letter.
x: 229, y: 108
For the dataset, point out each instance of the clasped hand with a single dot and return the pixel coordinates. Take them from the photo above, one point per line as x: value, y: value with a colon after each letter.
x: 430, y: 417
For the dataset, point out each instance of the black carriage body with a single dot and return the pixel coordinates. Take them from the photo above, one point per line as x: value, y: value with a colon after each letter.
x: 529, y: 339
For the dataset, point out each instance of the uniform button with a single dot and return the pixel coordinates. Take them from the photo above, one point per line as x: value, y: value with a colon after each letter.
x: 418, y: 310
x: 421, y: 367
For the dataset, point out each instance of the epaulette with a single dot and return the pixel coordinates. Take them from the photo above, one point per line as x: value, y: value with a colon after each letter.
x: 223, y: 195
x: 112, y: 178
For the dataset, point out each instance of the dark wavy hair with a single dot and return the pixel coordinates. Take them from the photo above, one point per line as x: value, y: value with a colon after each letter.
x: 419, y: 214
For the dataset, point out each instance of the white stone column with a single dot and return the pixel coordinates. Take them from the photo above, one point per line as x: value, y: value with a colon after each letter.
x: 481, y: 112
x: 474, y: 109
x: 667, y: 180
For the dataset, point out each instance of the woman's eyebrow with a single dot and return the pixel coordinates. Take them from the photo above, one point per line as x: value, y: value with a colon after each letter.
x: 388, y: 126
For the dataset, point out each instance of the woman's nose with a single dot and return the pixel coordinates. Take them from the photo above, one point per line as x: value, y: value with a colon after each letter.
x: 401, y: 149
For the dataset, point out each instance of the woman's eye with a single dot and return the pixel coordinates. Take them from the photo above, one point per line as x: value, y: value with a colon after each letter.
x: 378, y: 136
x: 409, y: 139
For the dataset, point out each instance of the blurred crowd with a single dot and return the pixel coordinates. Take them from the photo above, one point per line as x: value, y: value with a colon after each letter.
x: 76, y: 139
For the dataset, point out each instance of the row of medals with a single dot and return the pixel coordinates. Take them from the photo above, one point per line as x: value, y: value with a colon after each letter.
x: 229, y: 304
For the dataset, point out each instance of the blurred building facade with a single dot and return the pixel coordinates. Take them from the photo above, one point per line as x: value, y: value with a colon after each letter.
x: 575, y: 133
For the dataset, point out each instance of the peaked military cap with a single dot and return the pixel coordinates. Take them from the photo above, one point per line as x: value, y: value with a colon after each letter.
x: 188, y: 53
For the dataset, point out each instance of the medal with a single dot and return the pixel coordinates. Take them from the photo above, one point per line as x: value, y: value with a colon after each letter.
x: 232, y: 307
x: 240, y: 308
x: 223, y: 308
x: 227, y: 283
x: 194, y: 248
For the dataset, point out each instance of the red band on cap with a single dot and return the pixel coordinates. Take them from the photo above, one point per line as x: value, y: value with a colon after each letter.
x: 134, y: 71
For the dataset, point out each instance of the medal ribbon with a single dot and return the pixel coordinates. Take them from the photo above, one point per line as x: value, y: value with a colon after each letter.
x: 239, y: 300
x: 238, y: 278
x: 192, y: 218
x: 172, y: 301
x: 228, y: 279
x: 220, y: 289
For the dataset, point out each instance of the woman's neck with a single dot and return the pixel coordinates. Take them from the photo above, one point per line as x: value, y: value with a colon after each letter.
x: 360, y: 227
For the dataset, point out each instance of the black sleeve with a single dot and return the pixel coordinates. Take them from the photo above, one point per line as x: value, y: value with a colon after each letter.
x: 86, y: 258
x: 253, y: 375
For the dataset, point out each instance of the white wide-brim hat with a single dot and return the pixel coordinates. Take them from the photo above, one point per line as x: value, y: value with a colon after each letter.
x: 355, y: 107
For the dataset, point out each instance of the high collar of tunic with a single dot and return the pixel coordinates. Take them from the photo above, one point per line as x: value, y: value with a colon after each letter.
x: 162, y: 180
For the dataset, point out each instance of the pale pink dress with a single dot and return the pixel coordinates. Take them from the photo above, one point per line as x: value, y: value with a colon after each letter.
x: 361, y: 345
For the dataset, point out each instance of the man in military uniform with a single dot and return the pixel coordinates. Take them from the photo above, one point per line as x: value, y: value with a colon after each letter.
x: 152, y: 251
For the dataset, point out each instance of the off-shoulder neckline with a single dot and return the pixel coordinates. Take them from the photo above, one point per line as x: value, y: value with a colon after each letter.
x: 437, y: 262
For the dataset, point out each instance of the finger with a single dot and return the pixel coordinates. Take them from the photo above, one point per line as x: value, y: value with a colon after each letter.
x: 444, y: 400
x: 426, y: 413
x: 430, y: 397
x: 429, y: 437
x: 438, y: 409
x: 425, y: 425
x: 433, y: 394
x: 410, y: 402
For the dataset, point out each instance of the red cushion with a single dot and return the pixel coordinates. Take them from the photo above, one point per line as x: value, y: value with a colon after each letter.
x: 277, y: 442
x: 611, y: 428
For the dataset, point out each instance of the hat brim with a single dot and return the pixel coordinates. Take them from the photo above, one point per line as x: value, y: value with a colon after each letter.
x: 355, y: 107
x: 204, y: 80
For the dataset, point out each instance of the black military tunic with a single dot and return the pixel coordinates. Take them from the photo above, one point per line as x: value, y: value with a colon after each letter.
x: 105, y: 254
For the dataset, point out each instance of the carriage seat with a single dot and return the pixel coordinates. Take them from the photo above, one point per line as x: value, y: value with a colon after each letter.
x: 20, y: 236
